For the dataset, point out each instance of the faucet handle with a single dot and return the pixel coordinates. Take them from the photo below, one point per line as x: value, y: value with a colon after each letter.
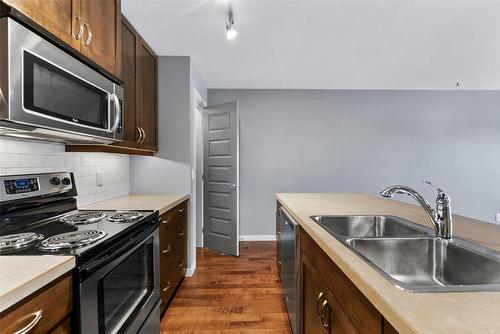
x: 433, y: 185
x: 442, y: 196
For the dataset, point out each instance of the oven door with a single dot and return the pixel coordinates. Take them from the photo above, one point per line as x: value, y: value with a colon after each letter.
x: 52, y: 90
x: 122, y: 287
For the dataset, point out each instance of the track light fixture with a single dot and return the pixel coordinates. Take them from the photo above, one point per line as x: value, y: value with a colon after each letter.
x: 231, y: 33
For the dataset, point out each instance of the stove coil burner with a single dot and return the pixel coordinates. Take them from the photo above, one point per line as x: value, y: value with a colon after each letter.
x: 72, y: 239
x: 125, y: 216
x: 82, y: 218
x: 18, y: 241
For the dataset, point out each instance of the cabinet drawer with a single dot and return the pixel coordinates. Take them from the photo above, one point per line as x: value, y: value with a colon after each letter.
x: 361, y: 313
x: 47, y: 307
x: 171, y: 274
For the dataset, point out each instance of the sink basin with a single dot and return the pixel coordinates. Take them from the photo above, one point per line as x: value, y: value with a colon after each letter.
x: 369, y: 226
x: 431, y: 264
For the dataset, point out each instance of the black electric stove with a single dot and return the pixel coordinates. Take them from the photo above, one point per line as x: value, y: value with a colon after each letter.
x: 116, y: 252
x: 50, y: 223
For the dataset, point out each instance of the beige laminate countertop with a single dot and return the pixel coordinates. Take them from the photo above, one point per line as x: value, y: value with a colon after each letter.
x: 451, y: 312
x: 22, y: 275
x: 162, y: 202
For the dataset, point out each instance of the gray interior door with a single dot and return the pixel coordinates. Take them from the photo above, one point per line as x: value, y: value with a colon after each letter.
x: 220, y: 178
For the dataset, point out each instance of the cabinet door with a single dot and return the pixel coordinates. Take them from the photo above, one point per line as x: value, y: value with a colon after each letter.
x: 321, y: 312
x: 130, y: 43
x: 60, y: 17
x: 311, y: 297
x: 148, y: 94
x: 102, y: 39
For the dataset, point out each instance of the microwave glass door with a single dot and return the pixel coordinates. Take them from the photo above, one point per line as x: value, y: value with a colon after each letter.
x: 122, y: 292
x: 56, y: 93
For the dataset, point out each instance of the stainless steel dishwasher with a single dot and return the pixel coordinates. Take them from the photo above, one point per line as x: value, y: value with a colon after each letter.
x: 290, y: 265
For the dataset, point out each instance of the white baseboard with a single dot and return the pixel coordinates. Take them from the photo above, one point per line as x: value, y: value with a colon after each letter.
x: 190, y: 271
x: 258, y: 237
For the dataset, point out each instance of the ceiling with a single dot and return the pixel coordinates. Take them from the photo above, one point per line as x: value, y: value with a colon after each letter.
x: 329, y: 44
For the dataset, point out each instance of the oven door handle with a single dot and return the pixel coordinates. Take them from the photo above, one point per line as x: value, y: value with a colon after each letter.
x: 106, y: 259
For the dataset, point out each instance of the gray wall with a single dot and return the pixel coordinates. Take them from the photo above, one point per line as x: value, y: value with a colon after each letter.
x: 169, y: 171
x: 362, y: 141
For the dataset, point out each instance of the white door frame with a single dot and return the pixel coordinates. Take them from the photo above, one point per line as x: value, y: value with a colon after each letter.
x: 198, y: 103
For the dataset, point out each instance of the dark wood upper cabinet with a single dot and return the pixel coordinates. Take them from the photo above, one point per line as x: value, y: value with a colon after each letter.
x: 101, y: 39
x: 140, y: 83
x: 60, y: 17
x: 92, y: 27
x: 130, y: 40
x: 147, y: 93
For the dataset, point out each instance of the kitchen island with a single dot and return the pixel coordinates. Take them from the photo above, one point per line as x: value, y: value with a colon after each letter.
x: 451, y: 312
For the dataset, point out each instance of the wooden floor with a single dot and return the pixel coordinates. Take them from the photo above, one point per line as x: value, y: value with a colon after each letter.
x: 230, y: 294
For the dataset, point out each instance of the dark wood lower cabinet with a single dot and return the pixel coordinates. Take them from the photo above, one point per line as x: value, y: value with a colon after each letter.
x: 330, y: 302
x: 321, y: 312
x: 173, y: 251
x: 50, y: 307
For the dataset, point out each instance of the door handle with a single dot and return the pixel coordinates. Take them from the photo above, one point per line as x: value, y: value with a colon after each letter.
x: 89, y: 35
x: 165, y: 251
x: 116, y: 102
x: 233, y: 186
x: 165, y: 289
x: 143, y: 137
x: 36, y: 319
x: 325, y: 307
x: 79, y: 34
x: 140, y: 134
x: 320, y: 296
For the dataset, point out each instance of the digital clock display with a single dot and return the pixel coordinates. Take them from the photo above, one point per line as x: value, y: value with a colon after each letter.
x: 20, y: 186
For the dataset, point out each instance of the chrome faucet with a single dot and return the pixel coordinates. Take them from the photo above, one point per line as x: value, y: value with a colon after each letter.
x: 440, y: 217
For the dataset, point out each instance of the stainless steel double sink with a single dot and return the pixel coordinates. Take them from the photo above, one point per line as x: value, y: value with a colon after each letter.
x: 412, y: 258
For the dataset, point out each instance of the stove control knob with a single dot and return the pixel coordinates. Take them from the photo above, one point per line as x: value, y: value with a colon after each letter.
x: 66, y: 181
x: 55, y: 181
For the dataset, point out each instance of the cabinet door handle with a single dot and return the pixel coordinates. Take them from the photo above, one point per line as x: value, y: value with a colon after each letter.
x: 181, y: 234
x: 144, y: 137
x: 320, y: 296
x: 181, y: 264
x: 325, y: 320
x: 165, y: 251
x: 181, y: 210
x: 27, y: 329
x: 89, y: 35
x: 79, y: 34
x: 165, y: 221
x: 138, y: 138
x: 165, y: 289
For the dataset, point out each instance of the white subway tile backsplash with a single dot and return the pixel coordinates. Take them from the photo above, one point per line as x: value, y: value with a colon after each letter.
x: 31, y: 160
x: 10, y: 160
x: 21, y: 157
x: 54, y: 160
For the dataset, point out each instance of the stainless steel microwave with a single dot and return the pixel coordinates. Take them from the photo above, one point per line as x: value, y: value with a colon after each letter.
x: 48, y: 94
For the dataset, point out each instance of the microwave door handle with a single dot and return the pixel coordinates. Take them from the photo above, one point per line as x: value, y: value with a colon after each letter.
x: 116, y: 103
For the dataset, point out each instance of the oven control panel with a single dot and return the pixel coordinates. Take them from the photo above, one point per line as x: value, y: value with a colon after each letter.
x: 14, y: 187
x: 19, y: 186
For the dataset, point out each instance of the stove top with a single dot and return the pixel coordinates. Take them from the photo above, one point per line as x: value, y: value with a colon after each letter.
x: 39, y: 216
x: 74, y: 233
